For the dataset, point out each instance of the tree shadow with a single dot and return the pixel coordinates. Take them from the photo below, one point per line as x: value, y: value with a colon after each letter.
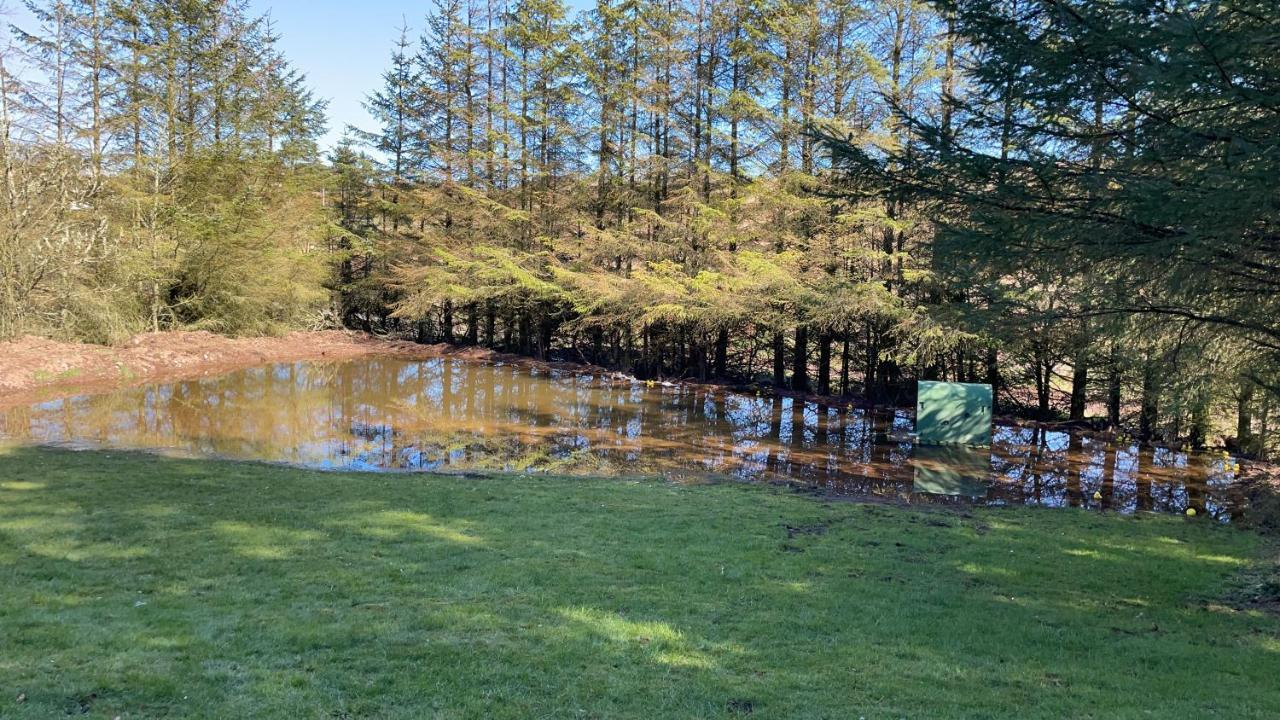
x: 197, y: 588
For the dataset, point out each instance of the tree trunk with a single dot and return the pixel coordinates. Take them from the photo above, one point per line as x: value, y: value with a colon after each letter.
x: 993, y: 374
x: 779, y: 360
x: 525, y: 339
x: 446, y: 328
x: 473, y: 324
x: 722, y: 352
x: 1244, y: 416
x: 870, y: 383
x: 1114, y: 383
x: 546, y: 329
x: 1150, y: 402
x: 1079, y: 387
x: 1044, y: 380
x: 1264, y: 430
x: 824, y: 365
x: 800, y: 367
x: 844, y: 367
x: 1199, y: 421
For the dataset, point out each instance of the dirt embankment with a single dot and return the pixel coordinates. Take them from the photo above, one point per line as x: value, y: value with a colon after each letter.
x: 32, y: 367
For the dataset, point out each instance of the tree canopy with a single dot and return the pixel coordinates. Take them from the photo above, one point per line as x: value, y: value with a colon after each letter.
x: 1072, y: 201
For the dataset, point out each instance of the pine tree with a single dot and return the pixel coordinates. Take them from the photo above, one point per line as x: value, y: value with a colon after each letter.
x: 398, y: 108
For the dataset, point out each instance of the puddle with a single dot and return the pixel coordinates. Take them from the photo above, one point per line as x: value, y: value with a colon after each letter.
x: 398, y: 414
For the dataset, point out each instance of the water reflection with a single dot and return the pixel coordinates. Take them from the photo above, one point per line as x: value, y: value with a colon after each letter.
x: 949, y: 470
x: 386, y: 413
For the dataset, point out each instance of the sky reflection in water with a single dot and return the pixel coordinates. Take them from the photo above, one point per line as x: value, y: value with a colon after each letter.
x: 386, y: 413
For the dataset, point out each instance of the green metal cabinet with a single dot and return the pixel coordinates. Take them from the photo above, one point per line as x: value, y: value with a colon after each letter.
x: 953, y: 413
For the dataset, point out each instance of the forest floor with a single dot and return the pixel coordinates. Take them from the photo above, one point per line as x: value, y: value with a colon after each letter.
x: 143, y: 586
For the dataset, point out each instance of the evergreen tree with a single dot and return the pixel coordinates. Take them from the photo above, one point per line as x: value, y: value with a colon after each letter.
x: 398, y: 108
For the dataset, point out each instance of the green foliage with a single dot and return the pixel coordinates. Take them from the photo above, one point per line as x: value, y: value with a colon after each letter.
x: 159, y: 173
x: 1106, y: 180
x: 1073, y: 202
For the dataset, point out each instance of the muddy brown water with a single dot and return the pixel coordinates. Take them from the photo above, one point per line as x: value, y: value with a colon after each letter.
x: 442, y: 414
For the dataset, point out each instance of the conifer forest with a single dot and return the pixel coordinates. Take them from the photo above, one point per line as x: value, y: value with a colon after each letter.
x: 1076, y: 202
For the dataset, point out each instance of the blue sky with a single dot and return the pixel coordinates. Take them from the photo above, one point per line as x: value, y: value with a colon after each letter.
x: 344, y: 46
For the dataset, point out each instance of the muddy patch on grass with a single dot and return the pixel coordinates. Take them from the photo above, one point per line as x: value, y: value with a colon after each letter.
x: 1262, y: 495
x: 1258, y: 586
x: 794, y: 531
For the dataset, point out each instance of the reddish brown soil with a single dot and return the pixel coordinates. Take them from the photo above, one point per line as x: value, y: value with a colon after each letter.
x: 32, y: 367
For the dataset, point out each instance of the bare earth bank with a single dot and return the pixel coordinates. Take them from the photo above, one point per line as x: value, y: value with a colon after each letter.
x: 30, y: 365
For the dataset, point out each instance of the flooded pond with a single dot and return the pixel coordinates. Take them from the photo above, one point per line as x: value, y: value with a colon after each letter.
x: 396, y: 414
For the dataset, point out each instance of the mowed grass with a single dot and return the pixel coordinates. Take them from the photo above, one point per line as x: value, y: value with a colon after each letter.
x: 140, y: 586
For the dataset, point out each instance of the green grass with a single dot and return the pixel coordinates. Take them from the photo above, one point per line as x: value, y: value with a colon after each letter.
x: 141, y: 586
x: 45, y: 376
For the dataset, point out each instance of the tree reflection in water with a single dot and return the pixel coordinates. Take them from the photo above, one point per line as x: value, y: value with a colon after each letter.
x: 393, y: 414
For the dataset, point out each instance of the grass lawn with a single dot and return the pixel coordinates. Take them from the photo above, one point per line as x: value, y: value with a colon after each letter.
x: 140, y: 586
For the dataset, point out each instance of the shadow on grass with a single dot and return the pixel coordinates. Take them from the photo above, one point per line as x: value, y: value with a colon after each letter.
x: 162, y: 587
